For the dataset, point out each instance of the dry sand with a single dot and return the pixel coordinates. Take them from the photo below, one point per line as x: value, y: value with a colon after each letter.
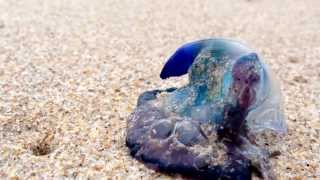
x: 71, y: 72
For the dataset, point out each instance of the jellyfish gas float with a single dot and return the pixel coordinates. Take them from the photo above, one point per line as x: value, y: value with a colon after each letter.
x: 222, y: 124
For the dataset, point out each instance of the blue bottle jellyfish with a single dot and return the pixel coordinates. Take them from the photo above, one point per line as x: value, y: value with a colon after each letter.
x: 217, y: 125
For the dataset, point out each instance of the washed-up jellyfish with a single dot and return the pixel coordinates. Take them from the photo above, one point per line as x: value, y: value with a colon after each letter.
x: 225, y: 123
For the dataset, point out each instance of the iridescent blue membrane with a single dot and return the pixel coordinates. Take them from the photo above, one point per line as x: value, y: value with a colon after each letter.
x: 211, y: 127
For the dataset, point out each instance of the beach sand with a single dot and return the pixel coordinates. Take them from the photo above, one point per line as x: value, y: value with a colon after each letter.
x: 71, y: 72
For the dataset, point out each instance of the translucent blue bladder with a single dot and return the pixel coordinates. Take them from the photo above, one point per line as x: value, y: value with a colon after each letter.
x: 217, y: 125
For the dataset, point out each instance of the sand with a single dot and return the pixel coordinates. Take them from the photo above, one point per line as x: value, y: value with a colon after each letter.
x: 71, y: 72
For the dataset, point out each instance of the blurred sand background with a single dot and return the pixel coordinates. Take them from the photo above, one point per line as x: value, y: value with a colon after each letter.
x: 71, y: 72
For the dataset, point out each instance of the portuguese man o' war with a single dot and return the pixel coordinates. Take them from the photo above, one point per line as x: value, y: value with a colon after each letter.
x: 222, y: 124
